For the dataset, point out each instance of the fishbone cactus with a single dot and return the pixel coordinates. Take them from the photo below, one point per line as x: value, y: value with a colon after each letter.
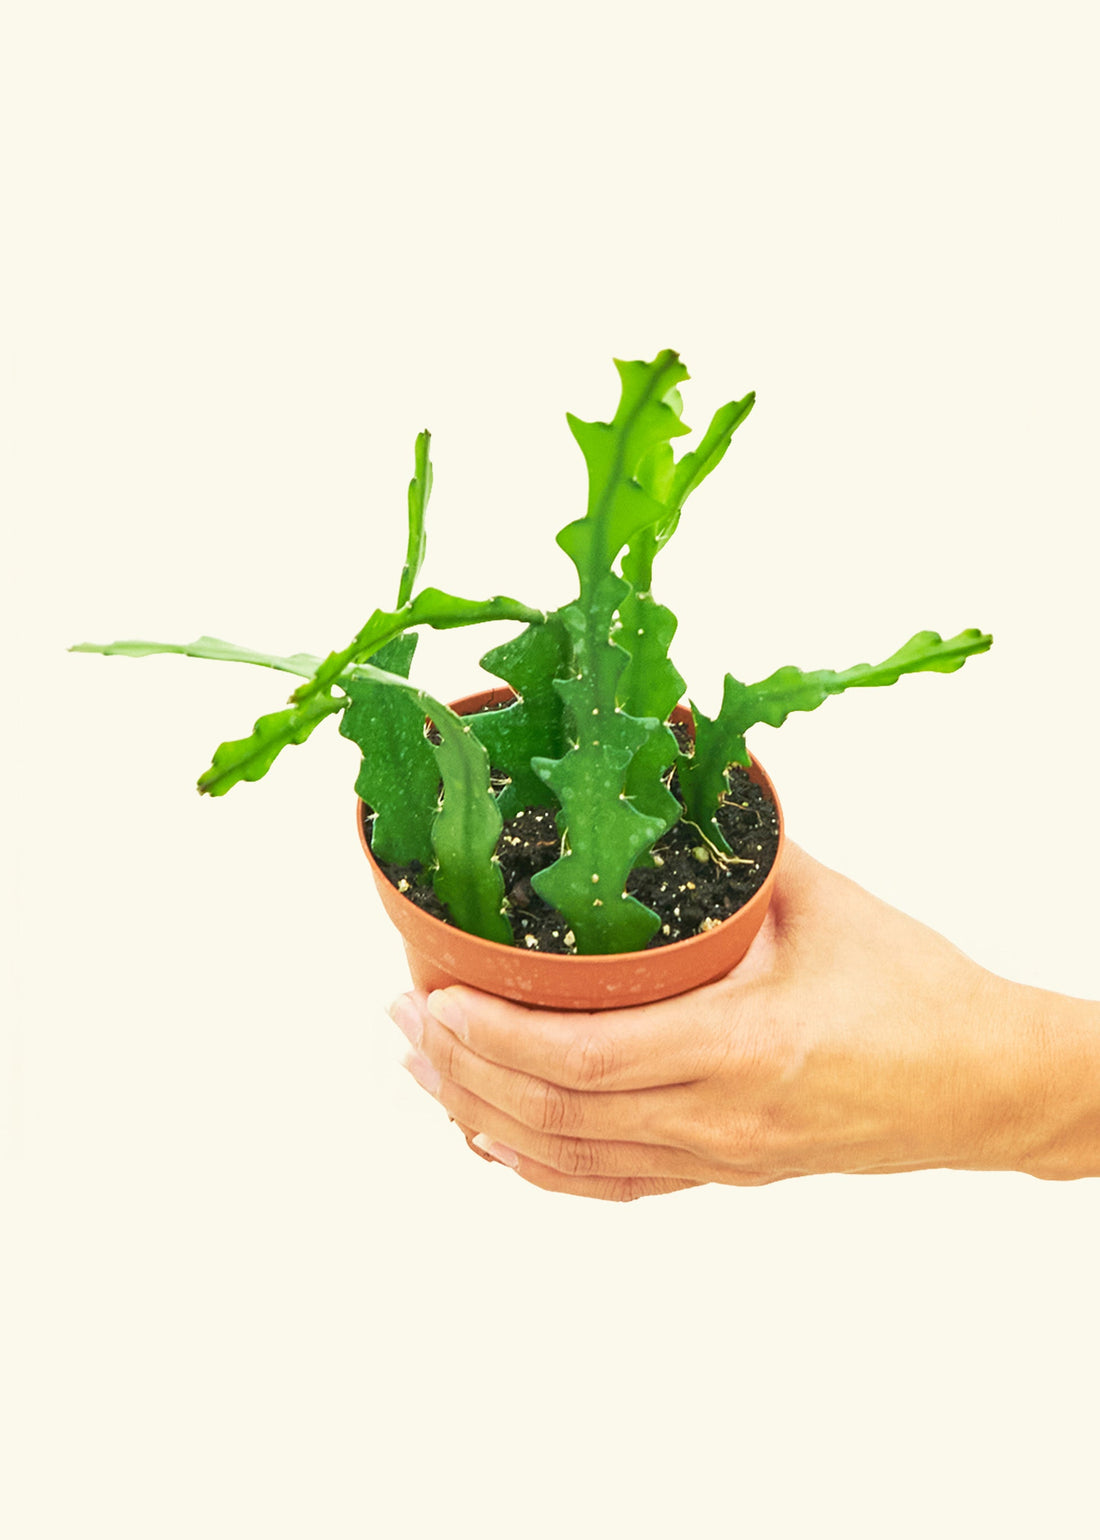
x: 588, y: 733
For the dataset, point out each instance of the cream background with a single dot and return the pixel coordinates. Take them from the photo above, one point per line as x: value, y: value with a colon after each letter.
x: 254, y: 1284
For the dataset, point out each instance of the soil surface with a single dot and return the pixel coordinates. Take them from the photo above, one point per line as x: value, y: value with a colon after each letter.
x: 688, y: 888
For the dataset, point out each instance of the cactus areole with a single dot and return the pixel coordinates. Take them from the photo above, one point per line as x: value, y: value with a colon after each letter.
x: 586, y: 746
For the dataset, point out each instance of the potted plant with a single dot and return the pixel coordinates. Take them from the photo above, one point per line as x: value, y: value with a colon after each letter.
x: 575, y: 837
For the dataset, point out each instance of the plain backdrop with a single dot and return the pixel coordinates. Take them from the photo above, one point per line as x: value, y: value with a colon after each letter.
x: 253, y: 1283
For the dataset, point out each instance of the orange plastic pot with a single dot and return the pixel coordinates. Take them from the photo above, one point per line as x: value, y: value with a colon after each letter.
x: 440, y: 954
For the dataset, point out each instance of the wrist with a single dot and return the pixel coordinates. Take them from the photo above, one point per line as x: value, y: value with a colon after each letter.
x: 1059, y: 1131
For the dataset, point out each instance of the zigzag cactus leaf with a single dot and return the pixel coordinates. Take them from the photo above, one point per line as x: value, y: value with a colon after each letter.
x: 605, y: 837
x: 248, y: 759
x: 651, y: 685
x: 617, y: 505
x: 398, y: 776
x: 420, y: 489
x: 645, y: 786
x: 468, y: 879
x: 721, y: 742
x: 431, y: 607
x: 465, y: 830
x: 535, y: 722
x: 696, y: 465
x: 670, y: 482
x: 302, y: 663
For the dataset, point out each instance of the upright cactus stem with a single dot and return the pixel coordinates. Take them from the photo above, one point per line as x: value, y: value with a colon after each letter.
x: 605, y: 833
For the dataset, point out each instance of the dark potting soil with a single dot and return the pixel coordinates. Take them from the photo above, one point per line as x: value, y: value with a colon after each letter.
x: 690, y: 889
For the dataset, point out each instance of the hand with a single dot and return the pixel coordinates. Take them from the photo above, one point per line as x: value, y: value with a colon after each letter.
x: 850, y: 1039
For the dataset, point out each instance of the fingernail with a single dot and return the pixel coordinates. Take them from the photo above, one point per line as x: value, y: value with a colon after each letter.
x: 501, y: 1152
x: 445, y: 1008
x: 407, y: 1017
x: 423, y: 1073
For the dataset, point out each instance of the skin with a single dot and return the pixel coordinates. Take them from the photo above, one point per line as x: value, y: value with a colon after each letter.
x: 850, y: 1039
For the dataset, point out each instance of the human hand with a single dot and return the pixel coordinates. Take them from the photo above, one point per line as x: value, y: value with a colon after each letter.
x: 850, y: 1039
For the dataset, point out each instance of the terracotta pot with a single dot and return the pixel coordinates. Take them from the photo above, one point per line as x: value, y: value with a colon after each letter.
x: 441, y: 954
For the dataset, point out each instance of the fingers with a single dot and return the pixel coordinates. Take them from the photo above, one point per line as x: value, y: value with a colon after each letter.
x: 622, y: 1189
x: 523, y: 1147
x: 547, y: 1110
x: 472, y: 1136
x: 607, y: 1104
x: 611, y: 1189
x: 668, y: 1043
x: 588, y: 1167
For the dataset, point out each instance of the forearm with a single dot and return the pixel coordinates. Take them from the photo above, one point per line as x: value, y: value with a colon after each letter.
x: 1061, y: 1135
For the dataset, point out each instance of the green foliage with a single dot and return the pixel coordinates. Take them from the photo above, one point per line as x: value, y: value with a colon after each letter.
x: 588, y: 733
x: 534, y: 724
x: 420, y: 489
x: 431, y: 607
x: 206, y: 647
x: 651, y: 685
x: 398, y: 773
x: 721, y: 742
x: 466, y: 827
x: 605, y: 833
x: 248, y: 759
x: 466, y: 830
